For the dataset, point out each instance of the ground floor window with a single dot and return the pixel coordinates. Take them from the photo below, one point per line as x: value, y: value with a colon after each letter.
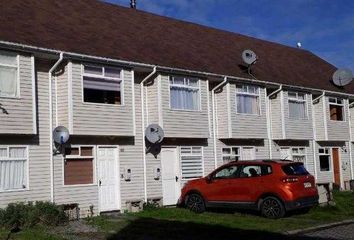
x: 13, y: 168
x: 296, y: 154
x: 191, y: 162
x: 325, y: 159
x: 79, y: 165
x: 230, y: 154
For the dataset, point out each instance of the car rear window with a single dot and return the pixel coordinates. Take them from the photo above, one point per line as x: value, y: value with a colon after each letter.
x: 295, y: 169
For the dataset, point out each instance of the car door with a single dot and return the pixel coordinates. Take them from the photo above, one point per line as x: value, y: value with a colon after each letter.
x: 246, y: 185
x: 219, y: 186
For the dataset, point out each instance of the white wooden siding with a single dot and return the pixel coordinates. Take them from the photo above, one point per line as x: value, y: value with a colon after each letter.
x: 248, y: 125
x: 298, y: 129
x: 39, y: 164
x: 275, y: 115
x: 101, y: 119
x: 184, y: 124
x: 19, y: 119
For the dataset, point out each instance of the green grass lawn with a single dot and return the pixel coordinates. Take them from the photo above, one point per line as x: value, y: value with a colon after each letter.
x: 177, y: 223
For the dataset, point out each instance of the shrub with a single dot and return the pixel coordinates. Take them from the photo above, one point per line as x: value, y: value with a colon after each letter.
x: 27, y: 215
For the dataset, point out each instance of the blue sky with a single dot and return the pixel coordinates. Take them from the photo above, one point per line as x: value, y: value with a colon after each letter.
x: 325, y: 27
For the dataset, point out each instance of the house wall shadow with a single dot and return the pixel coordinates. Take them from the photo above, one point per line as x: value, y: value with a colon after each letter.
x: 154, y: 229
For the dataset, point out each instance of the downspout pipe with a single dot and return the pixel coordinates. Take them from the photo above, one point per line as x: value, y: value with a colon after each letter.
x: 50, y: 75
x: 143, y: 127
x: 270, y: 121
x: 315, y: 133
x: 214, y: 118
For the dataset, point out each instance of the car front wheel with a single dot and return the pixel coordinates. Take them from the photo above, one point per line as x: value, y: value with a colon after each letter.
x: 272, y: 207
x: 195, y: 203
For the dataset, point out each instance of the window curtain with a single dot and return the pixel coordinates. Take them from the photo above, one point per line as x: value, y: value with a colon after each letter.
x: 184, y: 98
x: 8, y: 81
x: 297, y: 110
x: 13, y: 172
x: 247, y: 104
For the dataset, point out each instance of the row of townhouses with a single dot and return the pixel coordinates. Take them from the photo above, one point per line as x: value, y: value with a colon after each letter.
x: 106, y: 72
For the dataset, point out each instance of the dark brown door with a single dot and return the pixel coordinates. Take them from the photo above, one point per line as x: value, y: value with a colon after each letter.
x: 336, y: 165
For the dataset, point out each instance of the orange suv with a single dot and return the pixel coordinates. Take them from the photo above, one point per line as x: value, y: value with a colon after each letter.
x: 272, y: 187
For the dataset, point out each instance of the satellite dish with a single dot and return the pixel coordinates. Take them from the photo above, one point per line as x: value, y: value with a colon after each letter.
x: 154, y: 133
x: 249, y: 57
x: 342, y: 77
x: 61, y: 135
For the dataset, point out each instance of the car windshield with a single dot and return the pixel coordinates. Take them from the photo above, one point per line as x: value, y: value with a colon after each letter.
x: 295, y: 169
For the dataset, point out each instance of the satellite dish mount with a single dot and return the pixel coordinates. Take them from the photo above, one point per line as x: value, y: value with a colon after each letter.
x: 342, y: 77
x: 154, y: 135
x: 250, y: 58
x: 60, y: 138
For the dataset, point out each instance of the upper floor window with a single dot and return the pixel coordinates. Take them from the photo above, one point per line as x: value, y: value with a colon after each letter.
x: 184, y: 93
x: 336, y: 109
x: 247, y: 99
x: 102, y: 84
x: 297, y: 105
x: 8, y: 75
x: 13, y: 168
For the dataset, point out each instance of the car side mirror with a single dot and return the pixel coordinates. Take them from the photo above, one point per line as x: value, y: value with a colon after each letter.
x: 209, y: 179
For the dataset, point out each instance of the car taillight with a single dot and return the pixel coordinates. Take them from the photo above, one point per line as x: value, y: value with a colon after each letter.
x: 290, y: 180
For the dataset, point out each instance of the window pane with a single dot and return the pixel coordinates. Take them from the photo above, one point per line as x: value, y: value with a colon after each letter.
x: 3, y: 152
x: 12, y: 175
x: 99, y: 90
x: 191, y: 162
x: 247, y: 104
x: 291, y: 94
x: 112, y: 72
x: 72, y: 151
x: 8, y: 58
x: 299, y: 158
x: 8, y: 81
x: 235, y: 151
x: 228, y: 172
x: 18, y: 152
x: 324, y: 162
x: 86, y: 151
x: 93, y: 70
x: 301, y: 96
x: 226, y: 151
x: 297, y: 110
x: 184, y: 98
x: 251, y: 171
x: 193, y: 82
x: 78, y: 171
x: 178, y: 80
x: 336, y: 112
x: 332, y: 100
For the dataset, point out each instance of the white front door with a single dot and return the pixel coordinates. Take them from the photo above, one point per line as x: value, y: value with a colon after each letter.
x: 171, y: 188
x: 108, y: 179
x: 248, y: 153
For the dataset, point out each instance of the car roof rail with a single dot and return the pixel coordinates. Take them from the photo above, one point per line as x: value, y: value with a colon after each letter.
x: 268, y: 160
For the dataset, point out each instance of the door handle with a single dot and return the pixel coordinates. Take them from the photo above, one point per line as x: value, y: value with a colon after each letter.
x: 176, y: 179
x: 99, y: 182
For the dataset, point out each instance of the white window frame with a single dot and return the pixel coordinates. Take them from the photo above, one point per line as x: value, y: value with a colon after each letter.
x: 186, y: 86
x: 17, y: 66
x: 120, y: 79
x: 292, y: 154
x: 325, y: 154
x: 94, y: 162
x: 247, y: 93
x: 337, y: 104
x: 298, y: 100
x: 239, y: 155
x: 191, y: 155
x: 17, y: 159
